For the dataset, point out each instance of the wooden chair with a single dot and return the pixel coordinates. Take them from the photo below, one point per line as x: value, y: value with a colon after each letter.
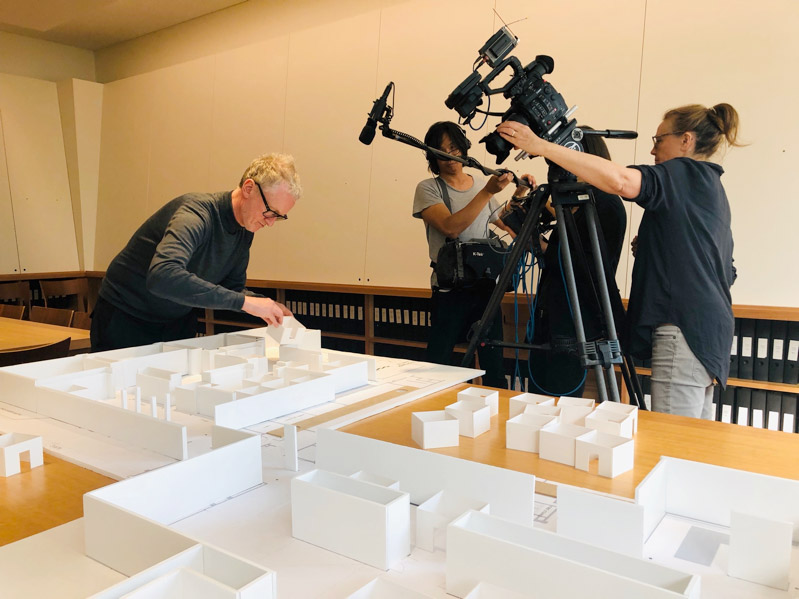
x: 18, y: 291
x: 81, y: 320
x: 59, y: 349
x: 52, y: 315
x: 12, y: 311
x: 66, y: 293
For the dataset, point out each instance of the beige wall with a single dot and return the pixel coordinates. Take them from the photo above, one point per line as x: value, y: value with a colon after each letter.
x: 186, y: 108
x: 38, y: 59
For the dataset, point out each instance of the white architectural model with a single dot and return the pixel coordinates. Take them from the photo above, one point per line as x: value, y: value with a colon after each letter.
x: 518, y: 403
x: 474, y: 420
x: 433, y: 429
x: 16, y: 448
x: 358, y: 501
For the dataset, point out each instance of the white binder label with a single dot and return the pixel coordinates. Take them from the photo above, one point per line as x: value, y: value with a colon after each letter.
x: 734, y: 349
x: 746, y: 347
x: 776, y: 350
x: 726, y: 413
x: 787, y: 423
x: 762, y: 347
x: 757, y: 418
x: 793, y: 350
x: 773, y: 421
x: 743, y: 416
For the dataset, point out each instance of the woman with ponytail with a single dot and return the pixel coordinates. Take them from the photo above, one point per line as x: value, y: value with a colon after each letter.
x: 680, y: 309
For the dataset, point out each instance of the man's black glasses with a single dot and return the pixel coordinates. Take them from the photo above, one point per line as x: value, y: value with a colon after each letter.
x: 269, y: 212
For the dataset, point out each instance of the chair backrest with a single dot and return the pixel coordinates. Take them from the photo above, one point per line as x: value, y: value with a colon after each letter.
x: 12, y: 311
x: 81, y: 320
x: 59, y: 349
x: 57, y: 316
x: 75, y: 294
x: 18, y: 291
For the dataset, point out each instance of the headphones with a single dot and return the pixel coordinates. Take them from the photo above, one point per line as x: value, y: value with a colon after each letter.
x: 462, y: 141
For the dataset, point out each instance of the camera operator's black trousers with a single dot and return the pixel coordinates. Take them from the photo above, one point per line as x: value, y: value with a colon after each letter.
x: 113, y: 328
x: 452, y: 314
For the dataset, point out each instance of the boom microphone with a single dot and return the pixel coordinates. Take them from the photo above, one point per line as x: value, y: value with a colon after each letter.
x: 368, y: 132
x: 612, y: 133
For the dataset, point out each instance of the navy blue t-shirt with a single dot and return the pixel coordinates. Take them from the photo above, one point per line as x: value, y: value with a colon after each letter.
x: 683, y: 266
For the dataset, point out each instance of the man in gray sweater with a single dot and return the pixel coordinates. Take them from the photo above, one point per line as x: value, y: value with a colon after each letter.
x: 193, y: 253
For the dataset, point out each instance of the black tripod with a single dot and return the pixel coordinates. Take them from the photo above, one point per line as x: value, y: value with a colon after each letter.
x: 566, y: 192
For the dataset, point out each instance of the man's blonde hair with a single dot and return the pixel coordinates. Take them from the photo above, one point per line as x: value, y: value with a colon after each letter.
x: 273, y: 169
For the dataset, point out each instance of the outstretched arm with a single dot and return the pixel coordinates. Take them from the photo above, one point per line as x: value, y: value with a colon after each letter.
x: 602, y: 174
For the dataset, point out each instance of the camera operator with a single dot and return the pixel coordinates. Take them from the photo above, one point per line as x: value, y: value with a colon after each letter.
x: 680, y: 309
x: 473, y: 207
x: 556, y: 371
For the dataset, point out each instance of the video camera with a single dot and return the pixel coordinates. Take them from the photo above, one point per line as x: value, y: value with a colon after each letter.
x: 534, y: 102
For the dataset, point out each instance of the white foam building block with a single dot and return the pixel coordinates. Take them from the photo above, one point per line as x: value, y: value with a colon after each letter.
x: 473, y: 421
x: 542, y: 409
x: 16, y: 448
x: 199, y: 572
x: 484, y: 548
x: 616, y: 454
x: 290, y: 454
x: 382, y: 588
x: 573, y: 410
x: 614, y: 524
x: 612, y: 423
x: 301, y: 389
x: 376, y: 479
x: 360, y: 520
x: 424, y: 473
x: 486, y: 396
x: 522, y: 432
x: 434, y: 515
x: 557, y: 442
x: 711, y: 493
x: 433, y: 429
x: 126, y: 523
x: 292, y: 332
x: 157, y: 382
x: 760, y: 550
x: 620, y: 409
x: 518, y: 403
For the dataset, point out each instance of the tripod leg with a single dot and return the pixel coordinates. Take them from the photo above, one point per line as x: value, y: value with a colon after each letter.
x: 529, y: 228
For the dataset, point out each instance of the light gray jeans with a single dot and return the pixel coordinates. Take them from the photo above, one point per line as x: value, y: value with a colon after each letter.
x: 680, y: 384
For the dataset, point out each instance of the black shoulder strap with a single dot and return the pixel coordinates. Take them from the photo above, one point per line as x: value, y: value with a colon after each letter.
x: 444, y: 193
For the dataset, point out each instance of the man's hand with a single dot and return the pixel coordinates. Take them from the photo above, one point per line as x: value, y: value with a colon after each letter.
x: 634, y: 245
x: 267, y: 308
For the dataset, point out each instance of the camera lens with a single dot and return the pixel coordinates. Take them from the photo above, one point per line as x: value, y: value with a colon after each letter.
x: 496, y: 144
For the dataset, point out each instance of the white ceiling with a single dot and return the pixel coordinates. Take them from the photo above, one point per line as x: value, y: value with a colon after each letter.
x: 95, y: 24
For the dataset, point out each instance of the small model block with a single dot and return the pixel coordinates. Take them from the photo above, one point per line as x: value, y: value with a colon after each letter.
x: 616, y: 454
x: 557, y: 443
x: 543, y: 410
x: 14, y: 448
x: 434, y: 515
x: 435, y: 429
x: 518, y: 403
x: 522, y: 432
x: 488, y: 397
x: 611, y: 422
x: 473, y: 422
x: 573, y: 410
x: 760, y: 550
x: 360, y: 520
x: 624, y: 409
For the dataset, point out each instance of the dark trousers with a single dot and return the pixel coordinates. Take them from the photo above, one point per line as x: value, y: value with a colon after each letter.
x: 113, y: 328
x: 452, y: 314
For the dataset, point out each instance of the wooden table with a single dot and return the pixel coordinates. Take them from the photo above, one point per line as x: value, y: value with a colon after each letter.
x: 24, y: 334
x: 744, y: 448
